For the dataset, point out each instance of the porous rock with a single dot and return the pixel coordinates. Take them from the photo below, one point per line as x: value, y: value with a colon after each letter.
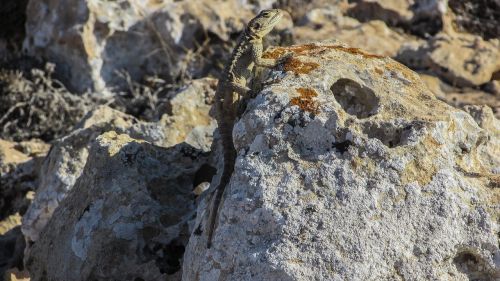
x: 126, y: 217
x: 349, y: 168
x: 187, y: 119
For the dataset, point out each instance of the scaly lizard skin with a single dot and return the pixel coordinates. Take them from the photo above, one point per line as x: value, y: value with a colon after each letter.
x: 246, y: 55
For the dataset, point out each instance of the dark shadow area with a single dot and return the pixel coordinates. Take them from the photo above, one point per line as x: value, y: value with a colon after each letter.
x: 481, y: 17
x: 14, y: 184
x: 11, y: 250
x: 12, y: 20
x: 473, y: 266
x: 423, y: 26
x: 392, y: 134
x: 153, y: 185
x: 355, y: 99
x: 204, y: 174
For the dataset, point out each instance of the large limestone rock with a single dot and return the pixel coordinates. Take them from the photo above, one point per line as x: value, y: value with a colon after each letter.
x: 126, y: 218
x: 94, y: 39
x: 349, y: 168
x: 186, y: 115
x: 420, y: 17
x: 461, y: 59
x: 464, y: 60
x: 187, y: 120
x: 65, y: 162
x: 375, y: 36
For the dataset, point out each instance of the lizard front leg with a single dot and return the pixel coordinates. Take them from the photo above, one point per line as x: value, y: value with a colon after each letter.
x: 257, y: 58
x: 257, y: 51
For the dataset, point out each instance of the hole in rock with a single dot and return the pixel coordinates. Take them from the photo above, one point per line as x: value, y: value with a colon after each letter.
x: 355, y: 99
x: 388, y: 134
x: 473, y: 266
x: 167, y: 256
x: 342, y: 146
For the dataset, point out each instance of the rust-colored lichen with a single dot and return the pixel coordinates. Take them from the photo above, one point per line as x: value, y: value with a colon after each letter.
x: 356, y: 51
x: 292, y: 64
x: 299, y: 67
x: 274, y: 53
x: 311, y: 49
x: 305, y: 100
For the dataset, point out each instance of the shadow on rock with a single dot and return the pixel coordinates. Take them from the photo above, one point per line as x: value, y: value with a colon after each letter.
x: 128, y: 216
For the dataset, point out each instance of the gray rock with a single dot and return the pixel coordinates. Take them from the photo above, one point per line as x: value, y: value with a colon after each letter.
x: 94, y: 39
x: 464, y: 60
x: 461, y: 59
x: 64, y: 165
x: 127, y: 217
x: 349, y: 168
x: 188, y: 121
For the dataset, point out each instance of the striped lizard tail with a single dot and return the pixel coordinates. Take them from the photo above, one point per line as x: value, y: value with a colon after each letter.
x: 228, y: 168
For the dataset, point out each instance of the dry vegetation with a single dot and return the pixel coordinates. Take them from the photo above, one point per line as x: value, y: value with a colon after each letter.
x: 33, y: 105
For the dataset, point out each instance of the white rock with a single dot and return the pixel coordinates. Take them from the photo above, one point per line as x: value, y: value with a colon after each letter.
x: 350, y: 169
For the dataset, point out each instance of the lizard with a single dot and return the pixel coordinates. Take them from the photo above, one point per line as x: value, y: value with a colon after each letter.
x: 233, y: 83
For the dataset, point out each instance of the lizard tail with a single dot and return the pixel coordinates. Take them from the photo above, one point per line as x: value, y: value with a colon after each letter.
x: 228, y: 168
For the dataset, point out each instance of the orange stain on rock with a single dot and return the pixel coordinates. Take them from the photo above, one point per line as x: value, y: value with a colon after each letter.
x: 306, y: 100
x: 300, y: 67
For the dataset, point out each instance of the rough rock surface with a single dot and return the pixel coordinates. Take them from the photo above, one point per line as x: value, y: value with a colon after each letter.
x: 64, y: 165
x: 126, y: 217
x: 94, y: 39
x: 187, y: 115
x: 188, y: 121
x: 349, y: 168
x: 19, y: 166
x: 463, y: 59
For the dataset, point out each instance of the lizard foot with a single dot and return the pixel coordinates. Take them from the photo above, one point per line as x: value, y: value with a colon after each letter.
x: 283, y: 59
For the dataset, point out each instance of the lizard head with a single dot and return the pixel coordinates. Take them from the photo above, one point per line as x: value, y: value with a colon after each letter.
x: 264, y: 22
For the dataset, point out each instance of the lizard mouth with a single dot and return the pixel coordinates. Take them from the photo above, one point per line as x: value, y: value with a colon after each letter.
x: 276, y: 18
